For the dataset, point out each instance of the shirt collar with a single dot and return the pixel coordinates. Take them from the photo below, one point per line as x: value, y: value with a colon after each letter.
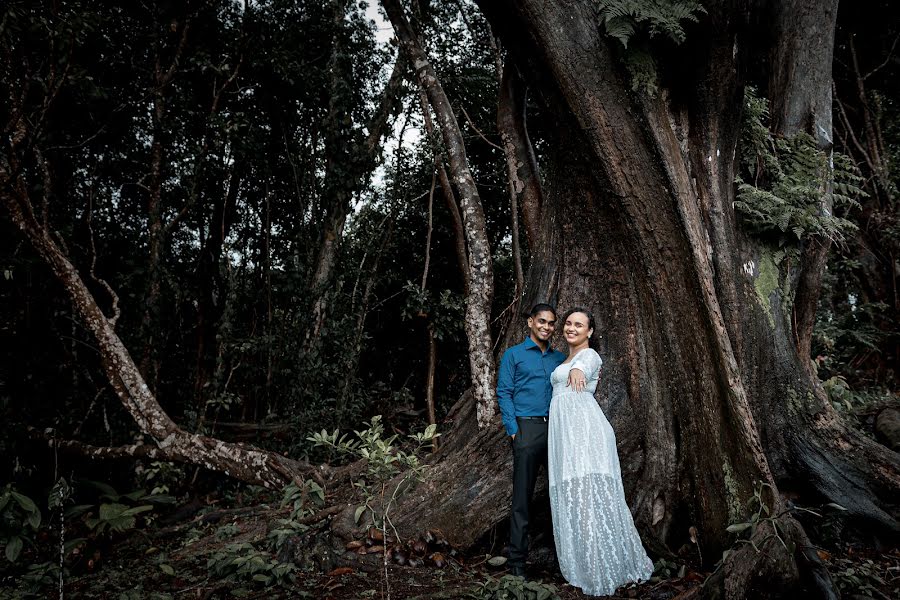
x: 529, y: 344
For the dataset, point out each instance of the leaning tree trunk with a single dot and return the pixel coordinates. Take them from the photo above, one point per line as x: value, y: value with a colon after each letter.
x: 702, y: 381
x: 170, y: 442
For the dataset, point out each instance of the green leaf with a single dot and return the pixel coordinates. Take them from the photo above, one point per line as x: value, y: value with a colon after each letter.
x: 59, y: 494
x: 359, y: 513
x: 13, y: 548
x: 105, y: 489
x: 77, y: 510
x: 25, y: 502
x: 167, y: 569
x: 160, y: 499
x: 136, y: 495
x: 4, y: 500
x: 497, y: 561
x: 137, y: 510
x: 737, y: 527
x: 110, y: 511
x: 34, y: 519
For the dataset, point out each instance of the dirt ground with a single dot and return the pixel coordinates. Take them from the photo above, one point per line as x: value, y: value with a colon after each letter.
x: 191, y: 555
x: 132, y: 570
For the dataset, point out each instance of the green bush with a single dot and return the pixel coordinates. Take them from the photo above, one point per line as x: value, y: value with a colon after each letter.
x: 510, y: 587
x: 20, y: 518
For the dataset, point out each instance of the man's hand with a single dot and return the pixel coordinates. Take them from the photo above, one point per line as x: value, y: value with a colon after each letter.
x: 513, y: 436
x: 576, y: 380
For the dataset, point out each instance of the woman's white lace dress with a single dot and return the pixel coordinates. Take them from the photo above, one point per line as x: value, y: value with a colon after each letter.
x: 598, y: 547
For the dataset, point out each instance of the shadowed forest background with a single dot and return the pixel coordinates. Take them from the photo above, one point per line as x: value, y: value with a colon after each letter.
x: 259, y: 200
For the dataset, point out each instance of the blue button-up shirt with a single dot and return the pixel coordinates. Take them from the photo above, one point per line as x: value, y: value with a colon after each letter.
x: 523, y: 384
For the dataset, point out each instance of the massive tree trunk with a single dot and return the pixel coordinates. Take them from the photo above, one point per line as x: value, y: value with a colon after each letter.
x: 702, y: 379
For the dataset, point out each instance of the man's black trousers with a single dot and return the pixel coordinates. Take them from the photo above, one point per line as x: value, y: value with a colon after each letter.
x: 529, y: 454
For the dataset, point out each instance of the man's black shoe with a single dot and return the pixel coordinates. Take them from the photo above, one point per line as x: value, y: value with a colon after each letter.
x: 517, y: 570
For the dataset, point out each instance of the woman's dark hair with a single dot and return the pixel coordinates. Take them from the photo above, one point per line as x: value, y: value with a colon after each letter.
x: 539, y: 308
x: 590, y: 316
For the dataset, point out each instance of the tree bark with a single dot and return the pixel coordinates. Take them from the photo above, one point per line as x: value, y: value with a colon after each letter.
x: 481, y: 283
x: 521, y: 164
x: 800, y: 94
x: 459, y: 233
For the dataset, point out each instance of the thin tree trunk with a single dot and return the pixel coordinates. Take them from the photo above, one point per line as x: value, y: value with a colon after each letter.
x: 212, y: 284
x: 155, y: 228
x: 429, y: 379
x: 429, y: 317
x: 801, y: 102
x: 373, y: 271
x: 481, y: 285
x: 521, y: 164
x: 346, y: 169
x: 459, y: 234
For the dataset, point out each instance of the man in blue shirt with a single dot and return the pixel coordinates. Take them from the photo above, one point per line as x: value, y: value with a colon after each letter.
x: 523, y: 392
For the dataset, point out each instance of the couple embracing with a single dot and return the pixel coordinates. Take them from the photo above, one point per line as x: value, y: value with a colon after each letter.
x: 548, y: 407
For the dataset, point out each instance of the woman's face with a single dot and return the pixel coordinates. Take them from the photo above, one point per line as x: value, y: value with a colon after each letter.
x: 576, y: 329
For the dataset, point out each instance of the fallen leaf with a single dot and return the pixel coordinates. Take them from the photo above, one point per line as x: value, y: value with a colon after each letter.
x: 419, y: 547
x: 497, y: 561
x: 824, y: 554
x: 354, y: 545
x: 399, y: 555
x: 375, y: 550
x: 659, y: 510
x: 692, y: 531
x: 340, y: 571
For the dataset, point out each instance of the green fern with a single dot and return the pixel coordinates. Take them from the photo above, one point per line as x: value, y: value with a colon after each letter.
x: 635, y: 22
x: 642, y: 69
x: 786, y: 179
x: 621, y: 19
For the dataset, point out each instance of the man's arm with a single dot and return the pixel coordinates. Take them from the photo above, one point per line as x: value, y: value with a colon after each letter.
x: 506, y: 378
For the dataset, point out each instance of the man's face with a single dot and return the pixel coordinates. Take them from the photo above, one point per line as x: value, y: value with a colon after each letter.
x: 542, y: 325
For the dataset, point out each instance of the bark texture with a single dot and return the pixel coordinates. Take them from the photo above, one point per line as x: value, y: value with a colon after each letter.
x: 521, y: 164
x: 800, y: 94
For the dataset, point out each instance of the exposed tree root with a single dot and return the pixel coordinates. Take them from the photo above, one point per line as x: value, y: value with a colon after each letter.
x: 777, y: 562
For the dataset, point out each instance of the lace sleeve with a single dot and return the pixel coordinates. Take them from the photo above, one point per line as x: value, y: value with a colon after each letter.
x: 588, y: 361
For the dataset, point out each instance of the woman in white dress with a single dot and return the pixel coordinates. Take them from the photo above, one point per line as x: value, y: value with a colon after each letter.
x: 597, y: 545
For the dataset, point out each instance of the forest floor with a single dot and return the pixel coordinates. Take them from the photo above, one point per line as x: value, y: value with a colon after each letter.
x: 214, y: 552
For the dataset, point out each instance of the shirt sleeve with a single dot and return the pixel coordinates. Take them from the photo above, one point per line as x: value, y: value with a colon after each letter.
x: 589, y: 362
x: 505, y: 385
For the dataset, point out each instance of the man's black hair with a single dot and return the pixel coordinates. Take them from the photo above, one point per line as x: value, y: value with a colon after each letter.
x: 539, y: 308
